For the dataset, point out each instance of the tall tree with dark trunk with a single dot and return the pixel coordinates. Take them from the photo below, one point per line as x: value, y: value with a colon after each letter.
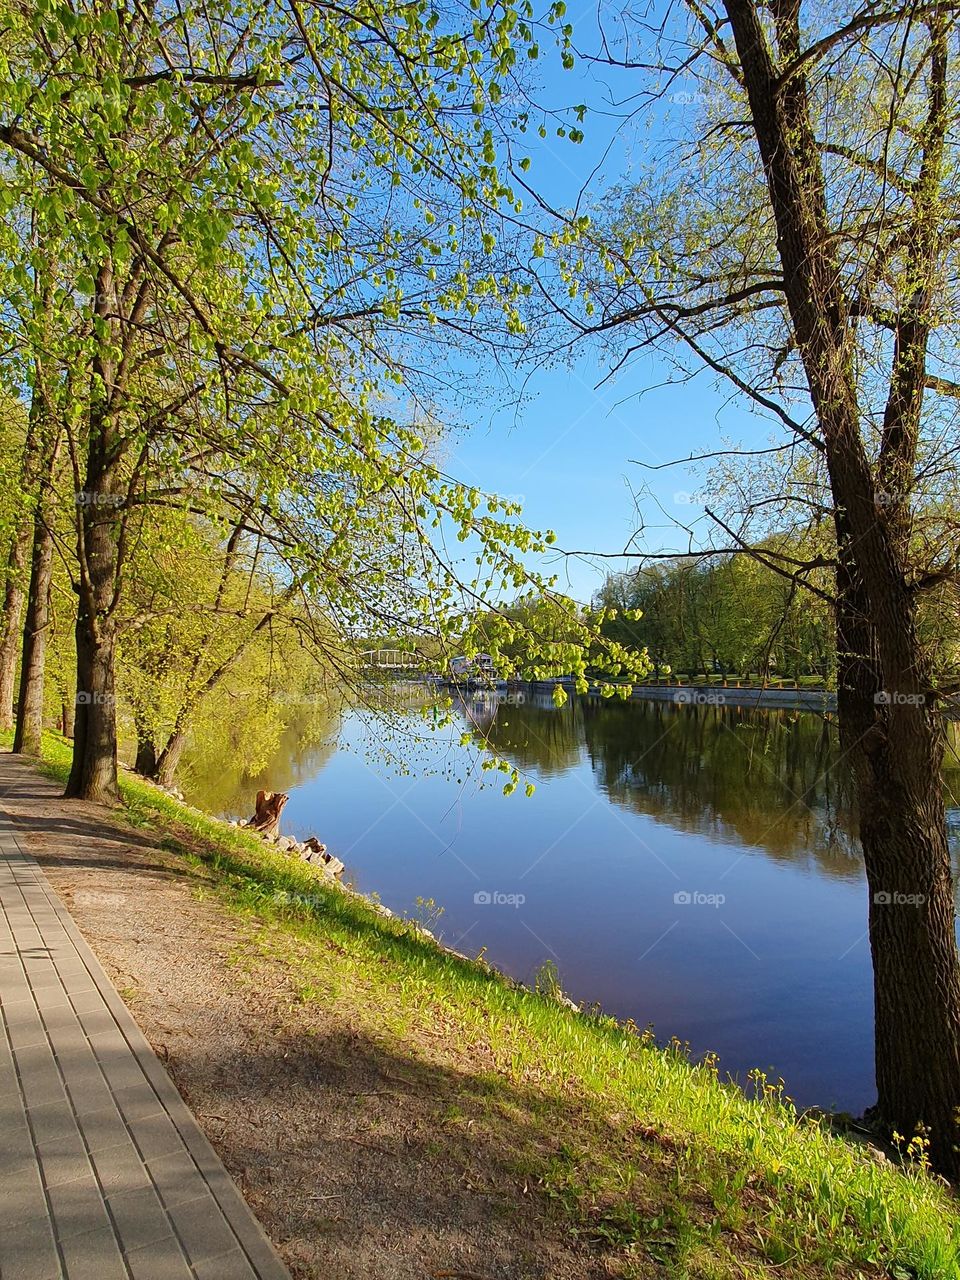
x: 807, y: 253
x: 896, y: 741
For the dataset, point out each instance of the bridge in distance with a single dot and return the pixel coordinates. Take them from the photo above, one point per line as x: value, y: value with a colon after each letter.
x: 392, y: 660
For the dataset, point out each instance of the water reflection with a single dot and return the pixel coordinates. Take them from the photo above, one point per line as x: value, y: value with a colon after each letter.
x: 770, y: 779
x: 214, y: 779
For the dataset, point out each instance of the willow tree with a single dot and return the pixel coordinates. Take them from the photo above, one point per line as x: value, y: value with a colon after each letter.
x: 797, y: 235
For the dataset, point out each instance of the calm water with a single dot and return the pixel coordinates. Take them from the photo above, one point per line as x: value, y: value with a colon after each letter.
x: 689, y: 867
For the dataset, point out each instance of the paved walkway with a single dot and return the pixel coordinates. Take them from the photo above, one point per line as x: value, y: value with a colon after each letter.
x: 104, y: 1172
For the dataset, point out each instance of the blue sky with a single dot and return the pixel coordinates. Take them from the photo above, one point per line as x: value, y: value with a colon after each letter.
x: 570, y: 450
x: 571, y: 453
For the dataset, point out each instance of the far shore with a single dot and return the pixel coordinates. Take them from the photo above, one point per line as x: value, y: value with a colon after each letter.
x: 715, y: 693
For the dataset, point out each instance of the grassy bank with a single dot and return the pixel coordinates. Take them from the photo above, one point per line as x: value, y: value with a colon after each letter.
x: 659, y: 1165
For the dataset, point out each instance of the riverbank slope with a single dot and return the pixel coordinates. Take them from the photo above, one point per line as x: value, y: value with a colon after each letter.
x: 393, y: 1111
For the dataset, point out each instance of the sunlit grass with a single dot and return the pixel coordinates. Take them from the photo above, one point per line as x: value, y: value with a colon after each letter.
x: 650, y: 1157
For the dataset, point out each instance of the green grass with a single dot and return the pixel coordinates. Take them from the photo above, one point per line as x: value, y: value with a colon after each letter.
x: 663, y: 1167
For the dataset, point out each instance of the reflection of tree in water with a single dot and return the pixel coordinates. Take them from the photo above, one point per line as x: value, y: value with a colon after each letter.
x: 538, y: 735
x: 770, y: 778
x: 215, y: 778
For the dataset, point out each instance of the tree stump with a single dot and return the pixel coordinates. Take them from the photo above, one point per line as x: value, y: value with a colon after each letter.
x: 266, y: 820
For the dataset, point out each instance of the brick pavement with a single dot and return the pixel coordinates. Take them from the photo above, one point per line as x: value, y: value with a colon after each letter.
x: 104, y: 1172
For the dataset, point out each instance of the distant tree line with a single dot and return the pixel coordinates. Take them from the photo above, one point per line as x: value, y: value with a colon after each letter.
x: 720, y: 615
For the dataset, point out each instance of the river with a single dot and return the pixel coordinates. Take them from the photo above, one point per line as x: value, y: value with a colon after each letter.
x: 689, y: 867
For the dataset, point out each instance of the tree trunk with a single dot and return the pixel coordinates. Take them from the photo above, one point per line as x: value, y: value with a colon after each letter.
x: 67, y: 715
x: 894, y: 741
x: 36, y: 629
x: 912, y: 913
x: 892, y: 736
x: 14, y: 592
x: 166, y: 766
x: 93, y: 775
x: 146, y: 761
x: 12, y: 612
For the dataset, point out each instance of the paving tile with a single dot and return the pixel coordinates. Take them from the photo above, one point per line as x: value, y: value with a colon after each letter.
x: 68, y: 1040
x: 63, y: 1159
x: 14, y: 1134
x: 28, y: 1251
x: 104, y: 1128
x: 156, y: 1136
x: 27, y: 937
x: 93, y: 1256
x: 78, y: 1207
x: 89, y: 1092
x: 52, y: 1120
x: 202, y: 1229
x: 234, y: 1265
x: 177, y: 1178
x: 9, y: 1083
x: 24, y: 1026
x: 21, y: 1193
x: 41, y: 1082
x: 163, y: 1260
x: 139, y: 1218
x: 56, y: 1010
x: 120, y: 1169
x: 51, y: 999
x: 15, y: 985
x: 78, y: 982
x: 116, y: 1061
x: 137, y: 1101
x: 41, y: 973
x: 99, y: 1022
x: 87, y: 1001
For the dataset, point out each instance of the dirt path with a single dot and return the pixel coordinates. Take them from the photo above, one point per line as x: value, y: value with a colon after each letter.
x: 338, y: 1143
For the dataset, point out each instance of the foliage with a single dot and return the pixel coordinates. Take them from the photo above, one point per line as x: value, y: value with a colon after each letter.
x: 724, y: 615
x: 250, y: 246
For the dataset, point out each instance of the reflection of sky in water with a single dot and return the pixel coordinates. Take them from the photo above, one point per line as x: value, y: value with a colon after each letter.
x: 638, y: 807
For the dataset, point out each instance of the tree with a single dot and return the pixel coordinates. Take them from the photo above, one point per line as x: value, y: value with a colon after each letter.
x: 719, y: 613
x: 262, y: 229
x: 240, y: 620
x: 805, y: 250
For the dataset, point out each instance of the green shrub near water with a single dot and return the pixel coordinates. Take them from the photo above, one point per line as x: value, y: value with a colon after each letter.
x: 645, y: 1153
